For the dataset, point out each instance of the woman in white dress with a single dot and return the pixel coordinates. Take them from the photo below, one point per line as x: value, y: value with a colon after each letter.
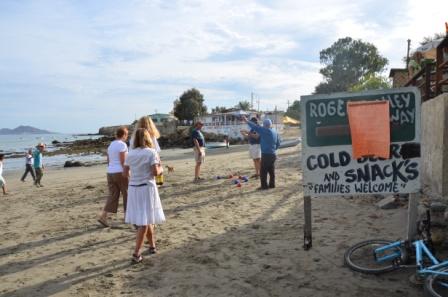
x: 144, y: 208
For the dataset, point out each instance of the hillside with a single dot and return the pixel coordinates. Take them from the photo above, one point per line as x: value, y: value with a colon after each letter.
x: 23, y: 130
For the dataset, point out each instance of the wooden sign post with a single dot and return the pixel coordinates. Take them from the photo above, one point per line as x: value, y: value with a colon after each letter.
x: 412, y: 216
x: 329, y: 168
x: 307, y: 230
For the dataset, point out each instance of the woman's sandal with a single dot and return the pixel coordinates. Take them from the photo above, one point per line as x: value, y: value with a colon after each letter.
x: 137, y: 258
x: 152, y: 250
x: 103, y: 222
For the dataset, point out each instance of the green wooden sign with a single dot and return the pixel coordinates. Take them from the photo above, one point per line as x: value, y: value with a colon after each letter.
x: 327, y: 120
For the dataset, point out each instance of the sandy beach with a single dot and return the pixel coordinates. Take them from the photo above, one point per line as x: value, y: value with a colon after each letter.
x: 218, y: 240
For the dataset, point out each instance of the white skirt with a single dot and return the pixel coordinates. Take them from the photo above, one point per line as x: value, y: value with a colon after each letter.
x: 144, y: 206
x: 254, y: 151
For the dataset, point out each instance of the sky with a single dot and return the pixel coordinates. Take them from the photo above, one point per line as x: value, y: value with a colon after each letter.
x: 74, y: 66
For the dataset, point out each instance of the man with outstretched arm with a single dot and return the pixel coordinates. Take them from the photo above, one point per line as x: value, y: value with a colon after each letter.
x: 269, y: 143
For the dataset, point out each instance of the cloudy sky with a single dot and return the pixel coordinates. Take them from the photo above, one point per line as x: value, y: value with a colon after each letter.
x: 73, y: 66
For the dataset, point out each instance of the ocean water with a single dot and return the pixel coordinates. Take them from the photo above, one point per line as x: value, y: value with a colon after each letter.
x: 19, y: 144
x: 23, y: 142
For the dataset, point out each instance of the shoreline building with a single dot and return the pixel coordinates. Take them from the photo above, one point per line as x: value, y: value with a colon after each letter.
x: 230, y: 123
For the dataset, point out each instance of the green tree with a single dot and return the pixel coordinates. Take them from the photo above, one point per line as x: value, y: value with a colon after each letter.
x: 293, y: 111
x: 371, y: 82
x: 346, y: 62
x: 243, y: 105
x: 189, y: 105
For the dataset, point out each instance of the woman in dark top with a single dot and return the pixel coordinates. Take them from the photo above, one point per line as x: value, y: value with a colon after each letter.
x: 254, y: 147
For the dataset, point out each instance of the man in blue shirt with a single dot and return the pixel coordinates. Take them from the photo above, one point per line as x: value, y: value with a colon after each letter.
x: 269, y: 143
x: 199, y: 149
x: 38, y: 164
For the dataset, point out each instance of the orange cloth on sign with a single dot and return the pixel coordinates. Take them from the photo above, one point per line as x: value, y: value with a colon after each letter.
x: 369, y: 128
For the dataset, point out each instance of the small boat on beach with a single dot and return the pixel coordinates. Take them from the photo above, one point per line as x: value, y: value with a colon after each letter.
x: 212, y: 145
x: 290, y: 142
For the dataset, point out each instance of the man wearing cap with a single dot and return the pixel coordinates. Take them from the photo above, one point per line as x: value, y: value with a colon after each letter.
x: 38, y: 164
x: 199, y: 149
x: 269, y: 143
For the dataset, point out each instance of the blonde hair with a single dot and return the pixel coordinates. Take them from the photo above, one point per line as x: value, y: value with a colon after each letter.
x: 146, y: 122
x: 142, y: 139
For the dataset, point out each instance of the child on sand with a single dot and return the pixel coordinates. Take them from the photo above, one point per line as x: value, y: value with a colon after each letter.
x: 144, y: 208
x: 2, y: 180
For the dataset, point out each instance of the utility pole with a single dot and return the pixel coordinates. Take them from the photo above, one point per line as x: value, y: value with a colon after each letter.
x: 275, y: 113
x: 258, y: 102
x: 288, y: 106
x: 251, y: 100
x: 407, y: 55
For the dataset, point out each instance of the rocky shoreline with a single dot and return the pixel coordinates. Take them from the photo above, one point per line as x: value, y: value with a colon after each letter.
x: 86, y: 147
x: 180, y: 139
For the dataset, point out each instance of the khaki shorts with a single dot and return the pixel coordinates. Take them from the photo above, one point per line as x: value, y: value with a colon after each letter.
x: 199, y: 155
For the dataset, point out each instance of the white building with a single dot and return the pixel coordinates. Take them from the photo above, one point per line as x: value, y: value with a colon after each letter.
x: 231, y: 123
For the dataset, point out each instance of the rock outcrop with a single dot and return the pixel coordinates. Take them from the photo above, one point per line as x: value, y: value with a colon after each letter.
x: 73, y: 164
x: 110, y: 130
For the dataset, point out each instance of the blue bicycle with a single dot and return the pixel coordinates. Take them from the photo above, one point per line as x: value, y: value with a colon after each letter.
x: 378, y: 256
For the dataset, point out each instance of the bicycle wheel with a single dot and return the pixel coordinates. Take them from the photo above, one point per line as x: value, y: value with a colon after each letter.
x: 360, y: 257
x: 437, y: 285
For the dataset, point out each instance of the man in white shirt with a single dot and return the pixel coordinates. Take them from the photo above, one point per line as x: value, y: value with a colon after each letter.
x: 116, y: 181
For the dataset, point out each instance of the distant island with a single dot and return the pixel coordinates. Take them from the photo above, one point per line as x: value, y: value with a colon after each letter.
x: 23, y: 130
